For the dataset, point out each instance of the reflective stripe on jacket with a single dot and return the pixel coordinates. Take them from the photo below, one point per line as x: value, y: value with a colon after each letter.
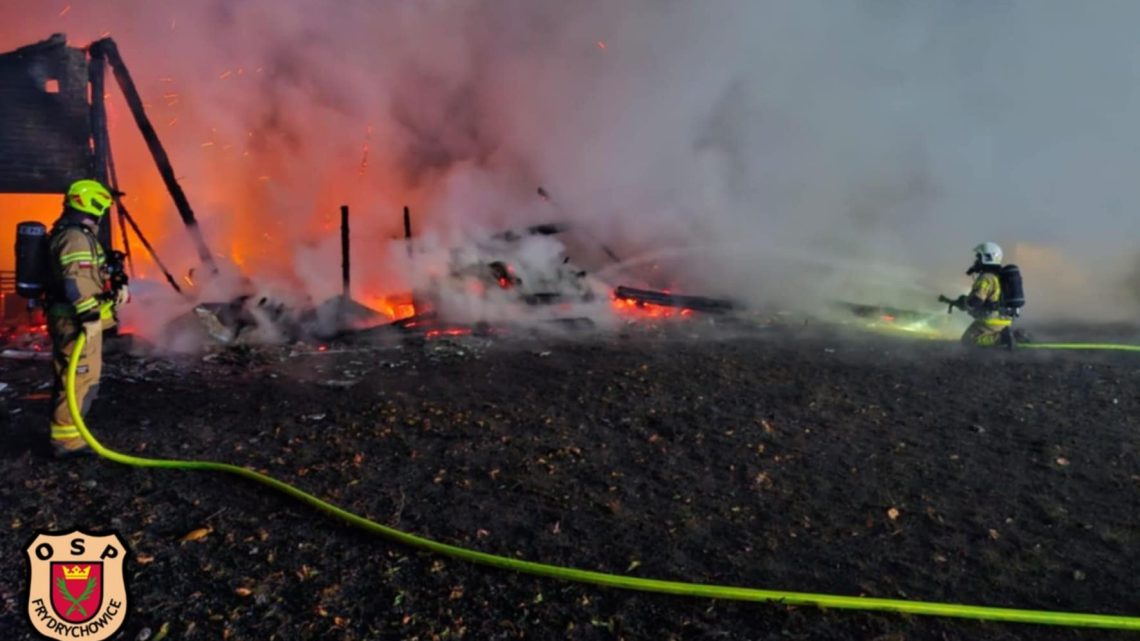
x: 77, y: 262
x: 987, y: 288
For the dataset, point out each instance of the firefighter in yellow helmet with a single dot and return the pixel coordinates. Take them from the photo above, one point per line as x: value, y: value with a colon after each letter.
x: 78, y: 299
x: 992, y: 325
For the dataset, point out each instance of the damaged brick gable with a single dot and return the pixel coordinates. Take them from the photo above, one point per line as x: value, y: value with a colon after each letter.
x: 45, y: 125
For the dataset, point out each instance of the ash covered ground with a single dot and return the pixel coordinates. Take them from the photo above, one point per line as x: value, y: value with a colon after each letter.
x: 849, y: 464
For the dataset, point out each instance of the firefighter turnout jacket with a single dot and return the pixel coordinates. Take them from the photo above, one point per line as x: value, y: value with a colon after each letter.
x: 79, y: 288
x: 987, y: 289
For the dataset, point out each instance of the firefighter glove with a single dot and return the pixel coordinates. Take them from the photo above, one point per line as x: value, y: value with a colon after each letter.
x: 122, y: 297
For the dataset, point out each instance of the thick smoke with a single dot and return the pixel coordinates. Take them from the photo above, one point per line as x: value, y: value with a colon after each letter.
x: 782, y: 152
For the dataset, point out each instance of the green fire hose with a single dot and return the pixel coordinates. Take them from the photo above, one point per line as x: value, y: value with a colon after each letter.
x: 981, y: 613
x: 1111, y: 347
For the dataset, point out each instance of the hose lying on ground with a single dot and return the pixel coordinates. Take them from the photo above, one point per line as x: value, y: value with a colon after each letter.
x: 1114, y: 347
x: 981, y: 613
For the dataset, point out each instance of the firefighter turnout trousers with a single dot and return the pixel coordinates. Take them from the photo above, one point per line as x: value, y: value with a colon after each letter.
x: 985, y: 332
x: 64, y: 331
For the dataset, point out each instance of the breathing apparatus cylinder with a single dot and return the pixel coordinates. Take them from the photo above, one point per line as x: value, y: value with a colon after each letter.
x: 1012, y: 292
x: 33, y: 256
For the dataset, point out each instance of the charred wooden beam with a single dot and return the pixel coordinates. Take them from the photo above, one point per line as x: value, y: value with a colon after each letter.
x: 125, y: 220
x: 150, y: 250
x: 344, y: 252
x: 120, y: 208
x: 100, y: 138
x: 109, y: 50
x: 408, y: 244
x: 665, y: 299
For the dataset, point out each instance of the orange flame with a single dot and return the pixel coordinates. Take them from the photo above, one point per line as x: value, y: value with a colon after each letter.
x: 395, y: 307
x: 633, y: 309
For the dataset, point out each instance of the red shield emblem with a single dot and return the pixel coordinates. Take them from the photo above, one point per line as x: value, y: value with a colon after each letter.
x: 77, y: 585
x: 76, y: 590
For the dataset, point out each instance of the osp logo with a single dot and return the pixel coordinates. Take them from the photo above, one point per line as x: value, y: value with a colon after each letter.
x: 76, y: 585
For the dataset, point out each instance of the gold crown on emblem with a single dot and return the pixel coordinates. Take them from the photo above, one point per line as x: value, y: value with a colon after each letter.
x: 76, y: 572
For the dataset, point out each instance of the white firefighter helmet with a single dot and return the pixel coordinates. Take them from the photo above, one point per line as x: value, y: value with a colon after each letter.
x: 988, y: 254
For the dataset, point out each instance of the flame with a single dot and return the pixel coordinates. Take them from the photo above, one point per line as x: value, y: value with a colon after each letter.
x: 254, y: 205
x: 633, y: 309
x: 17, y: 208
x: 395, y: 307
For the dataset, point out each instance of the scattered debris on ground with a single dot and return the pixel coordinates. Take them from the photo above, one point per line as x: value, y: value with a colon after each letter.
x: 816, y: 464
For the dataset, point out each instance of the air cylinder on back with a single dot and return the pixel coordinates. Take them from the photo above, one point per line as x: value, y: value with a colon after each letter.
x: 32, y: 259
x: 1013, y: 292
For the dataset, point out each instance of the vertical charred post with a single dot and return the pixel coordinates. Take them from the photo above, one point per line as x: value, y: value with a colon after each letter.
x: 100, y: 139
x: 344, y: 252
x: 408, y: 228
x: 408, y: 244
x: 110, y: 51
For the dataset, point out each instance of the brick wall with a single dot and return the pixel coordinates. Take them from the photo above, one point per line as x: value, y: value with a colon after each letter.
x: 44, y: 118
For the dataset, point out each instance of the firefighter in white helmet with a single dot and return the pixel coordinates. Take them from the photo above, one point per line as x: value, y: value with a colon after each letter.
x: 991, y: 324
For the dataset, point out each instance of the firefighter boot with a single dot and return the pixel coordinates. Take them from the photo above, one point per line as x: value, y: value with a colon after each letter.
x: 67, y: 448
x: 1007, y: 340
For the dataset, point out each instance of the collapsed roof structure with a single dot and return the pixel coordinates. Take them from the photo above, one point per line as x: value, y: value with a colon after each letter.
x: 53, y: 130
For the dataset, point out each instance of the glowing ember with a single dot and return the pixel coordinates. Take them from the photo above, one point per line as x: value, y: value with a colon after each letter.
x: 395, y: 307
x: 639, y: 309
x: 454, y: 331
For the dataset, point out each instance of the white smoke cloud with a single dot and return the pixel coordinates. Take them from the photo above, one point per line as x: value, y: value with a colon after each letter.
x: 777, y: 151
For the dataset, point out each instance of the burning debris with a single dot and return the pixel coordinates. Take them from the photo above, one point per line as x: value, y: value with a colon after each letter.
x: 651, y: 300
x: 518, y: 279
x: 521, y: 278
